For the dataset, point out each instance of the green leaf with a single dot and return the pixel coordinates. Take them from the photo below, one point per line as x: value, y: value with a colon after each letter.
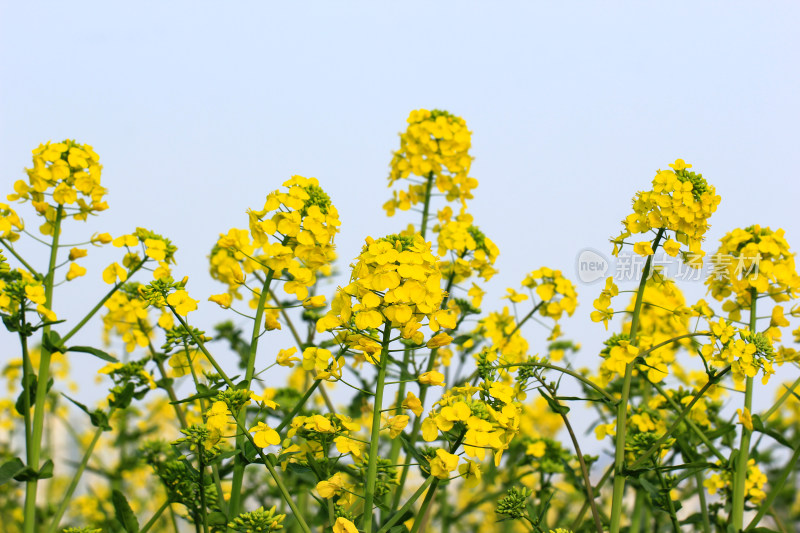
x: 99, y: 418
x: 10, y: 469
x: 26, y: 474
x: 411, y: 450
x: 94, y: 351
x: 29, y: 474
x: 123, y: 398
x: 554, y: 405
x: 29, y: 388
x: 47, y: 470
x: 298, y: 469
x: 758, y: 425
x: 52, y: 342
x: 217, y: 519
x: 123, y: 512
x: 202, y: 394
x: 164, y: 383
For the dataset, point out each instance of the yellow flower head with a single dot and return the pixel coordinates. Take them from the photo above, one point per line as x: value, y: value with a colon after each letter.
x: 680, y: 201
x: 396, y: 281
x: 68, y: 173
x: 435, y: 147
x: 752, y: 260
x: 473, y: 252
x: 293, y: 233
x: 557, y: 293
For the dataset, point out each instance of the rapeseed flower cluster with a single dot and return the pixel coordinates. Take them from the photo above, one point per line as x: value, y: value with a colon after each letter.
x: 488, y: 417
x: 395, y: 281
x: 753, y: 260
x: 754, y: 483
x: 473, y: 253
x: 434, y: 147
x: 20, y: 291
x: 291, y: 236
x: 681, y: 202
x: 663, y: 316
x: 556, y: 293
x: 747, y: 355
x: 69, y: 174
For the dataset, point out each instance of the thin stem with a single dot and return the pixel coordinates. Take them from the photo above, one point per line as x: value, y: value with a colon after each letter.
x: 394, y: 452
x: 657, y: 444
x: 150, y: 523
x: 202, y: 486
x: 300, y: 346
x: 740, y: 473
x: 598, y: 524
x: 289, y: 417
x: 34, y: 445
x: 372, y: 465
x: 7, y: 246
x: 298, y: 515
x: 73, y: 484
x: 238, y: 462
x: 426, y: 206
x: 567, y: 371
x: 99, y: 305
x: 585, y: 506
x: 203, y: 348
x: 406, y: 506
x: 27, y: 372
x: 701, y: 492
x: 173, y: 398
x: 788, y: 392
x: 676, y: 527
x: 622, y: 408
x: 422, y: 515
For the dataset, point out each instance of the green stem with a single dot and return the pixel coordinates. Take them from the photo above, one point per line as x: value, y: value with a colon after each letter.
x: 422, y: 516
x: 7, y: 246
x: 203, y: 349
x: 298, y: 515
x: 173, y: 398
x: 99, y: 305
x: 75, y: 480
x: 238, y: 463
x: 34, y: 445
x: 585, y: 506
x: 203, y: 504
x: 638, y: 514
x: 300, y: 346
x: 394, y: 452
x: 676, y: 527
x: 788, y: 392
x: 622, y: 408
x: 27, y: 372
x: 657, y: 444
x: 406, y: 506
x: 289, y: 417
x: 598, y: 524
x: 701, y: 492
x: 426, y: 206
x: 568, y: 372
x: 740, y: 473
x: 372, y: 465
x: 150, y: 523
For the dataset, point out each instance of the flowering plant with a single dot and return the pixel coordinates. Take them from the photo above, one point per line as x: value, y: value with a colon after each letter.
x: 445, y: 417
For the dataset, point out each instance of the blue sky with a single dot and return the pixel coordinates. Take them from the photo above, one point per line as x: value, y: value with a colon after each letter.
x: 198, y: 110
